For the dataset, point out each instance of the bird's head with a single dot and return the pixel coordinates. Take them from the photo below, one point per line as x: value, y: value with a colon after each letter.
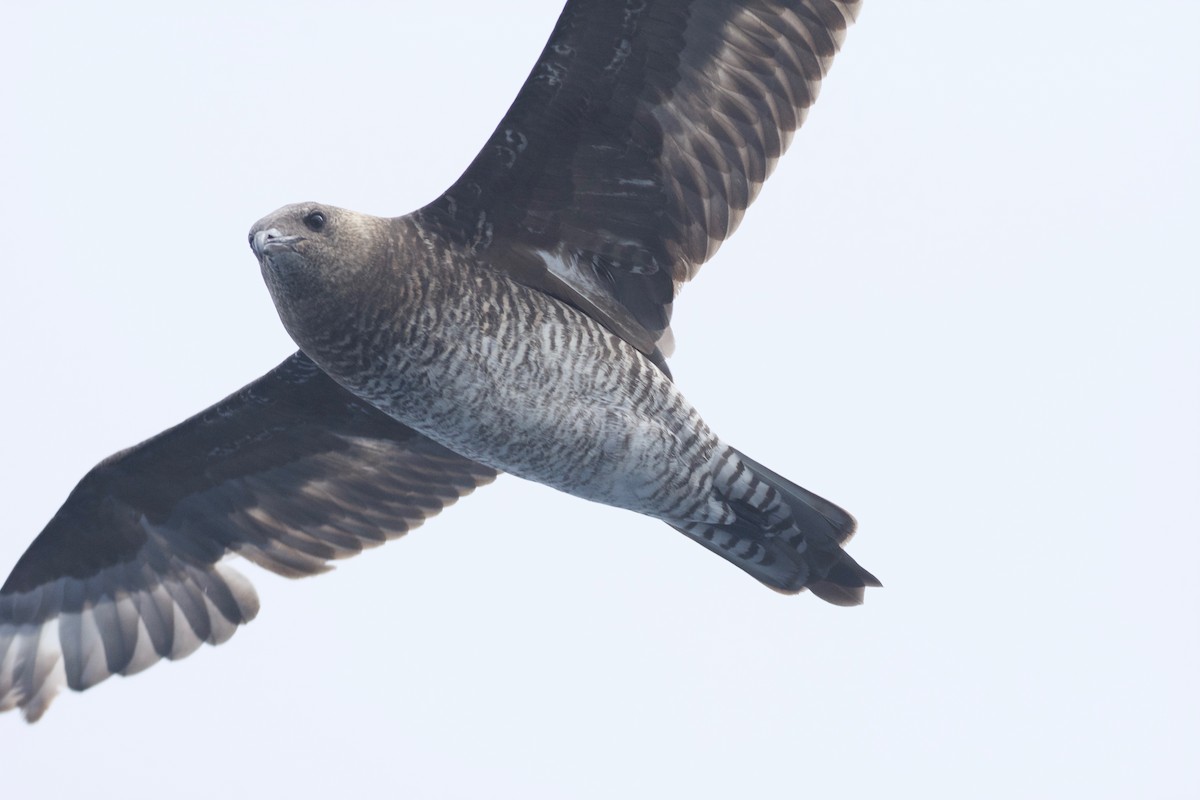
x: 320, y: 263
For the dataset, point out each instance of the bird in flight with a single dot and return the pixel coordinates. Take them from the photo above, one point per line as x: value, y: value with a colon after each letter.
x: 518, y: 323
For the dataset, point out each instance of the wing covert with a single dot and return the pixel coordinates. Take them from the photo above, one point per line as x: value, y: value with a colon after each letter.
x: 290, y: 472
x: 642, y: 134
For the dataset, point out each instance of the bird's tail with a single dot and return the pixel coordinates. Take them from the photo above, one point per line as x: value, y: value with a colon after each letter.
x: 784, y: 535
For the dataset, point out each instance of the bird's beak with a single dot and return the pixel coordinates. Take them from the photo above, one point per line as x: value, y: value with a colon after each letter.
x: 262, y: 242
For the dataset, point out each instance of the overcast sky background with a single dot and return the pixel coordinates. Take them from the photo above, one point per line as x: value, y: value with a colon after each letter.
x: 976, y: 269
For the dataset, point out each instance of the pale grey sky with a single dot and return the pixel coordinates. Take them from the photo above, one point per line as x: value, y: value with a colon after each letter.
x: 973, y: 281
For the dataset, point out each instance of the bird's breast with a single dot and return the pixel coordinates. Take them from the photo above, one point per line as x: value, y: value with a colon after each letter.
x: 516, y: 380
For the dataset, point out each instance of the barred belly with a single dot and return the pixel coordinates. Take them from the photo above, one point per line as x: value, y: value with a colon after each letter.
x: 520, y: 382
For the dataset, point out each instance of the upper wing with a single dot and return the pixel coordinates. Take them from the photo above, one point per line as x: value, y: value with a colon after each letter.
x: 290, y: 472
x: 640, y: 137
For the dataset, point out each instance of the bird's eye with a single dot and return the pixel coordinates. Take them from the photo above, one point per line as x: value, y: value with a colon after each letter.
x: 314, y: 221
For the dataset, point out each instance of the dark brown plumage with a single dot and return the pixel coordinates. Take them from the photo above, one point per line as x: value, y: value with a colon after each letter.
x: 518, y: 323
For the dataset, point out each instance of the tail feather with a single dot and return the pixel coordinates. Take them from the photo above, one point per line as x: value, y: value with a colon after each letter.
x: 845, y: 584
x: 803, y: 502
x: 789, y: 539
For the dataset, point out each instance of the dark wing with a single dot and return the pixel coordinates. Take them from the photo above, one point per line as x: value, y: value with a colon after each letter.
x: 640, y: 137
x: 290, y: 472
